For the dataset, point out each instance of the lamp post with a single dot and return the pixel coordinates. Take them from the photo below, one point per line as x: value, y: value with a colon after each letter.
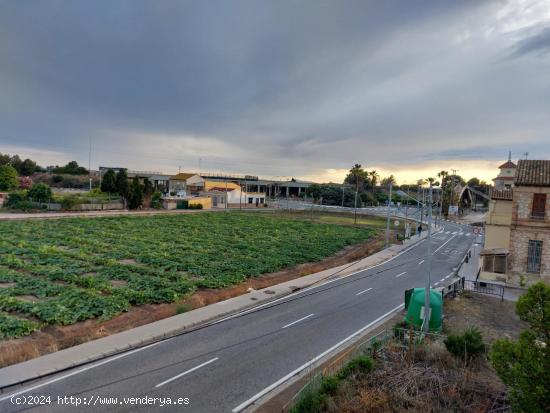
x: 426, y: 323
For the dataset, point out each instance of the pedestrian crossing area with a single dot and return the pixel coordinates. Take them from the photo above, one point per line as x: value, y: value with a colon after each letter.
x: 458, y: 233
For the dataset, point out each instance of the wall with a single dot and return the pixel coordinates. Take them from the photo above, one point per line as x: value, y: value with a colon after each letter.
x: 524, y: 229
x: 497, y: 227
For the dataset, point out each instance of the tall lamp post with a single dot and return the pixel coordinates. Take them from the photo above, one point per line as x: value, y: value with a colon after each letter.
x: 426, y: 323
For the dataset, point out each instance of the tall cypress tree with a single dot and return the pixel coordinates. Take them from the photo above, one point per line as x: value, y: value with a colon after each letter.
x: 122, y: 186
x: 135, y: 197
x: 109, y: 182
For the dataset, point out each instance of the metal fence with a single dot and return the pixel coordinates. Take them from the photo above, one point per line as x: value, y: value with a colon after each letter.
x: 485, y: 288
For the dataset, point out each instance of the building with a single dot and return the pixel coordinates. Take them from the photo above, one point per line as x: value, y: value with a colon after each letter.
x: 498, y: 221
x: 505, y: 178
x: 529, y: 251
x: 159, y: 180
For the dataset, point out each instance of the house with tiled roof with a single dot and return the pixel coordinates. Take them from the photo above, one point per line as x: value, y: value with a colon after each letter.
x: 529, y: 251
x: 505, y: 178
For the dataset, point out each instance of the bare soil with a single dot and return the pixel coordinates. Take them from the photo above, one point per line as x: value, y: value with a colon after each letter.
x: 53, y: 338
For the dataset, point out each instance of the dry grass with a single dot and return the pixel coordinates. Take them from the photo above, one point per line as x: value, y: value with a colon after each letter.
x: 432, y: 381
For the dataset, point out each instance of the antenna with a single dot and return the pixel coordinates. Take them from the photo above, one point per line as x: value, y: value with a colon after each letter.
x: 526, y: 154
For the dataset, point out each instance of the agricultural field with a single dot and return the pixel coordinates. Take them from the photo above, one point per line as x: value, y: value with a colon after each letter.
x: 61, y: 271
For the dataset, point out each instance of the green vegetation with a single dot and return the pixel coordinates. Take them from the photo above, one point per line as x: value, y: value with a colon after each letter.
x: 524, y: 365
x: 315, y: 399
x: 8, y: 178
x: 81, y: 268
x: 467, y: 345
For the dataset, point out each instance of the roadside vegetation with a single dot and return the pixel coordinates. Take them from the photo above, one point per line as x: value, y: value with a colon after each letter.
x: 67, y: 270
x: 472, y: 370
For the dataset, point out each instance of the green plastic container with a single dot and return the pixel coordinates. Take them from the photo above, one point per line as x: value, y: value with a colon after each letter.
x: 415, y: 308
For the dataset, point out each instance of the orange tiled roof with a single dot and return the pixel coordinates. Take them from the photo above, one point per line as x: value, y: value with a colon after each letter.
x: 533, y: 173
x: 504, y: 194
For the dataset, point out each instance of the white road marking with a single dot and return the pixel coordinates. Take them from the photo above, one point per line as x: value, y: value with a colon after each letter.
x: 468, y: 234
x: 436, y: 283
x: 297, y: 321
x: 399, y: 275
x: 421, y: 261
x: 447, y: 232
x: 441, y: 280
x: 448, y: 276
x: 454, y: 232
x: 257, y: 396
x: 442, y: 245
x: 78, y: 371
x: 186, y: 372
x: 364, y: 291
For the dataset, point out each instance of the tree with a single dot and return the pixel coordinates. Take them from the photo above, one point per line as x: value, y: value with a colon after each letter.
x: 357, y: 176
x: 473, y: 182
x: 135, y: 197
x: 4, y: 159
x: 147, y: 187
x: 374, y: 177
x: 8, y: 178
x: 40, y: 193
x: 389, y: 180
x: 109, y: 182
x: 25, y: 182
x: 524, y: 365
x: 27, y: 167
x: 122, y: 186
x: 72, y: 168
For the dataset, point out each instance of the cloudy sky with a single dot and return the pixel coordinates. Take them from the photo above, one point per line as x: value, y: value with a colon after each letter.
x: 298, y: 88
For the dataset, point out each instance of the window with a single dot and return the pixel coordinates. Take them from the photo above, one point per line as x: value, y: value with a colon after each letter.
x: 534, y: 253
x: 494, y: 263
x: 250, y: 200
x: 539, y: 206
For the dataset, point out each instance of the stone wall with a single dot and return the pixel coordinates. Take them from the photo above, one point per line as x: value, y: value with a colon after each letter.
x: 523, y: 229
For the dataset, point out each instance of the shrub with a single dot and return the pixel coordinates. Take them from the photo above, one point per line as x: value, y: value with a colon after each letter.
x: 359, y: 365
x: 16, y: 197
x: 524, y: 365
x: 40, y: 193
x: 195, y: 206
x: 8, y: 178
x: 466, y: 345
x: 69, y: 202
x: 57, y: 179
x: 156, y: 200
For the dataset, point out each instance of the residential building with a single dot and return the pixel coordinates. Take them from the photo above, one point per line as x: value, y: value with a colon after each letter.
x: 498, y: 222
x: 529, y: 251
x: 505, y: 178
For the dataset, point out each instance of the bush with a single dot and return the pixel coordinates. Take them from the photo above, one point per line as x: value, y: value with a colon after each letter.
x: 467, y: 345
x: 359, y: 365
x: 156, y: 200
x: 524, y: 365
x: 69, y: 202
x: 16, y: 197
x: 8, y: 178
x: 40, y: 193
x: 57, y: 179
x: 195, y: 206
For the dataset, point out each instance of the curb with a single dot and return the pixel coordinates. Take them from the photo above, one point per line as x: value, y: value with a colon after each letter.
x: 7, y: 382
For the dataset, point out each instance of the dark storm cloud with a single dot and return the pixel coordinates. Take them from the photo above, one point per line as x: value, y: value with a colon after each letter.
x: 538, y: 44
x: 272, y: 85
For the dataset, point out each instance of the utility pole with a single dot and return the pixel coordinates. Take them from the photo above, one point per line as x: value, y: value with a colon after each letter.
x: 90, y: 164
x: 356, y: 192
x: 427, y: 311
x: 342, y: 195
x: 388, y: 219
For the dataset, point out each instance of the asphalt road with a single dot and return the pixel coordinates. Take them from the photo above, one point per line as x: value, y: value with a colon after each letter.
x: 225, y: 366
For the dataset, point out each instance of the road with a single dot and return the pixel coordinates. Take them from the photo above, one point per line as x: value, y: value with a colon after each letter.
x: 226, y: 366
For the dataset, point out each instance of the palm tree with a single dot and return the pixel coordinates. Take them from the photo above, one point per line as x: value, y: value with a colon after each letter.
x: 374, y: 177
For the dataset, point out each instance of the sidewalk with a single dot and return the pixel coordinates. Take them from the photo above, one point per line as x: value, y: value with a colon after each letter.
x: 150, y: 333
x: 469, y: 271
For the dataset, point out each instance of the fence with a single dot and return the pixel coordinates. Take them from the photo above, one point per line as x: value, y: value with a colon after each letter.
x: 485, y: 288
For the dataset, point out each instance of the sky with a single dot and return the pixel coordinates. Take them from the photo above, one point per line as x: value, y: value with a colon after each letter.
x: 302, y: 88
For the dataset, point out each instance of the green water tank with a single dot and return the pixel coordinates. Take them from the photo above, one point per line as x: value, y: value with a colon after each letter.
x: 415, y: 308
